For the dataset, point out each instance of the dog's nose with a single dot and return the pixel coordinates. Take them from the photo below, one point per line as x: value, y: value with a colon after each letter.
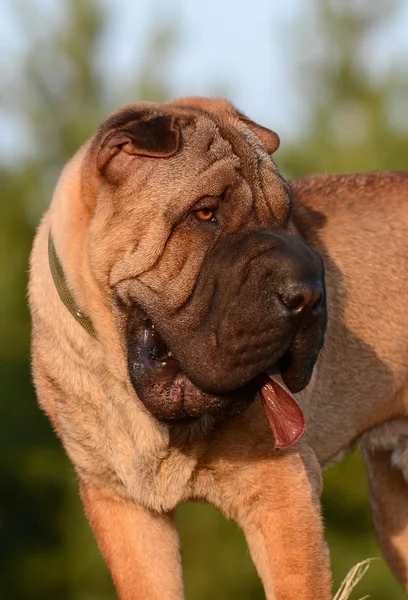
x: 303, y: 296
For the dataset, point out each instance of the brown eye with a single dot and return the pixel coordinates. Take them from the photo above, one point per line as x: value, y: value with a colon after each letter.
x: 205, y: 214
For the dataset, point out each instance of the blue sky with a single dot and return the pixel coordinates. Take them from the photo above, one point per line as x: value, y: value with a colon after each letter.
x: 241, y: 48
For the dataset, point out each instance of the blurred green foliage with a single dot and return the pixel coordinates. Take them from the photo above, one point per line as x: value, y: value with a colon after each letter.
x: 47, y: 550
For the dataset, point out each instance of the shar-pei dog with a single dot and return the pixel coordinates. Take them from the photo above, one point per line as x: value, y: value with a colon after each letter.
x: 179, y: 290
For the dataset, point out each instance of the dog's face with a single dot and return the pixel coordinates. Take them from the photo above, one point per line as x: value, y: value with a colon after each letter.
x: 190, y: 236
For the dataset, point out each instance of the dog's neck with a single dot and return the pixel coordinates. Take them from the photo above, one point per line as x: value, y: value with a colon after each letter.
x: 63, y: 290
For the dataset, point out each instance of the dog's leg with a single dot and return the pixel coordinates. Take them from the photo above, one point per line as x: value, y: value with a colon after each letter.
x: 141, y: 548
x: 285, y: 537
x: 276, y: 502
x: 389, y: 500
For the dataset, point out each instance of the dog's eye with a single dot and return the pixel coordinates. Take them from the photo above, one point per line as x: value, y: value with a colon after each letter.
x: 205, y: 214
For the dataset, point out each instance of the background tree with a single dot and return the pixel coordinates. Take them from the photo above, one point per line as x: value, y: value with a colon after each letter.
x: 59, y: 95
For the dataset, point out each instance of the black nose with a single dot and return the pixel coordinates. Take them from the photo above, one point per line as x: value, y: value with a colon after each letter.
x: 302, y: 296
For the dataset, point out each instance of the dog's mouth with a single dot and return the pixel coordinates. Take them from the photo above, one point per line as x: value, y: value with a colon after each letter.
x: 170, y: 395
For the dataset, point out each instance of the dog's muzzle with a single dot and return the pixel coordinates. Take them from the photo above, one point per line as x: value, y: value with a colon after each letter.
x: 258, y: 307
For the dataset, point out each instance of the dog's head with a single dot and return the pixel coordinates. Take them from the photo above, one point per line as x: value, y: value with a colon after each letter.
x: 190, y: 233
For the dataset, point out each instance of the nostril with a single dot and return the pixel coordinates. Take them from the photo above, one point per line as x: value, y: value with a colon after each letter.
x: 293, y: 301
x: 303, y: 297
x: 317, y: 303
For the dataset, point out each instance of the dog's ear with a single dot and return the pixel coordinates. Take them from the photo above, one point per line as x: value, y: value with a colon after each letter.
x: 268, y: 137
x: 156, y: 136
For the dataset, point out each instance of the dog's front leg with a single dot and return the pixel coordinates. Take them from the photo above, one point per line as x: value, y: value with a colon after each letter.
x: 275, y: 499
x: 140, y: 547
x: 284, y: 531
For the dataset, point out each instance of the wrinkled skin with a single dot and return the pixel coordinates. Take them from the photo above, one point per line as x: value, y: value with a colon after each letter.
x: 239, y: 294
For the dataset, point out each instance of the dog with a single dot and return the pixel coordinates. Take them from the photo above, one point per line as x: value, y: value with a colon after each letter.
x: 178, y: 299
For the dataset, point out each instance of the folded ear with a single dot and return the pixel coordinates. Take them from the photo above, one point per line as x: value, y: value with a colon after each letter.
x: 157, y: 137
x: 267, y: 136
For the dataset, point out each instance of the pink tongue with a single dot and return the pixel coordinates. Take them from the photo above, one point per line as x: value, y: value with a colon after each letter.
x: 284, y: 413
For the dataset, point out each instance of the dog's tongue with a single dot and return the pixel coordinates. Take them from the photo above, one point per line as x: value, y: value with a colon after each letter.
x: 284, y: 413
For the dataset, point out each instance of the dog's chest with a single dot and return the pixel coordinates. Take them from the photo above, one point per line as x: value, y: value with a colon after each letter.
x: 152, y: 472
x: 158, y: 482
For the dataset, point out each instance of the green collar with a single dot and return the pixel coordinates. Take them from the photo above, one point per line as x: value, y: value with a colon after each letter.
x: 65, y: 294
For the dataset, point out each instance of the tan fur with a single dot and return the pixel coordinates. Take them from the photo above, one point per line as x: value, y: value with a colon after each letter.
x: 132, y: 473
x: 359, y: 389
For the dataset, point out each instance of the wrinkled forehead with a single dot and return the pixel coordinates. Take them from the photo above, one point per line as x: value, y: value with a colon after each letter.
x: 217, y: 149
x: 256, y: 163
x: 227, y: 132
x: 216, y: 117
